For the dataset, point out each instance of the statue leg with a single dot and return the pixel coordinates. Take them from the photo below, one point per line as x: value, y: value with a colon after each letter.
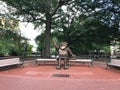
x: 59, y: 64
x: 66, y: 66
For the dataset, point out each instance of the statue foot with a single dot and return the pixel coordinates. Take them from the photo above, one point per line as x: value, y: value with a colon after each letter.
x: 58, y: 67
x: 66, y: 67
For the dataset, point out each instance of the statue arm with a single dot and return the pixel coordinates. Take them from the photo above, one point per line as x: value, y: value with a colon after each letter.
x: 70, y: 52
x: 55, y: 45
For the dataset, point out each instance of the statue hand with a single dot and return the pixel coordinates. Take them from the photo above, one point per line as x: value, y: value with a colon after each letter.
x: 74, y: 56
x: 53, y: 41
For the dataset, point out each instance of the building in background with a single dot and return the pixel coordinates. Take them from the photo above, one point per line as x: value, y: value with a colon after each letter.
x: 9, y: 24
x: 115, y: 49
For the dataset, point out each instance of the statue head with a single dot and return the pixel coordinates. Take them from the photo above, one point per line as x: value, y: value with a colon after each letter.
x: 63, y: 45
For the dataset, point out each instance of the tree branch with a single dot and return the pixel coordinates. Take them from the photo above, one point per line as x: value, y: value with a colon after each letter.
x: 36, y: 19
x: 56, y: 17
x: 60, y: 3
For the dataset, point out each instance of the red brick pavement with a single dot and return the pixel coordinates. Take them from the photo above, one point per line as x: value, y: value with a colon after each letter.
x: 81, y: 77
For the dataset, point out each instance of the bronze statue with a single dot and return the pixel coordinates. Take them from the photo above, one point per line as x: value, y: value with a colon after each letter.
x: 64, y: 53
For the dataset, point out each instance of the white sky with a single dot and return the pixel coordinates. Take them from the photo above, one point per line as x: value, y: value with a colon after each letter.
x: 27, y: 30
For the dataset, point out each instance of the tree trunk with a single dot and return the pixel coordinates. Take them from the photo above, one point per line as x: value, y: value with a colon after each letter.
x: 47, y: 38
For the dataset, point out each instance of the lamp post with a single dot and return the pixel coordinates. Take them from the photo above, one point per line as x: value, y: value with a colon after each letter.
x: 25, y: 49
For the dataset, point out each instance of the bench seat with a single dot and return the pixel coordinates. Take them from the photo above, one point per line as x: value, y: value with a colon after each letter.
x: 10, y: 61
x: 113, y: 62
x: 71, y: 60
x: 83, y: 61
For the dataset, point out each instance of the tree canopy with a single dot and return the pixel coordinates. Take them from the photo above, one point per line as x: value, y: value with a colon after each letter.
x: 79, y: 21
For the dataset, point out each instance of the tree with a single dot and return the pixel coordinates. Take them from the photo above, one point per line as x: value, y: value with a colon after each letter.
x: 88, y: 28
x: 11, y: 41
x: 48, y: 12
x: 8, y: 40
x: 40, y: 12
x: 40, y: 43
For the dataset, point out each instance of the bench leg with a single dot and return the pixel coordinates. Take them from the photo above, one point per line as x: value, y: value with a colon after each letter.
x: 37, y: 63
x: 108, y: 67
x: 20, y: 65
x: 91, y: 64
